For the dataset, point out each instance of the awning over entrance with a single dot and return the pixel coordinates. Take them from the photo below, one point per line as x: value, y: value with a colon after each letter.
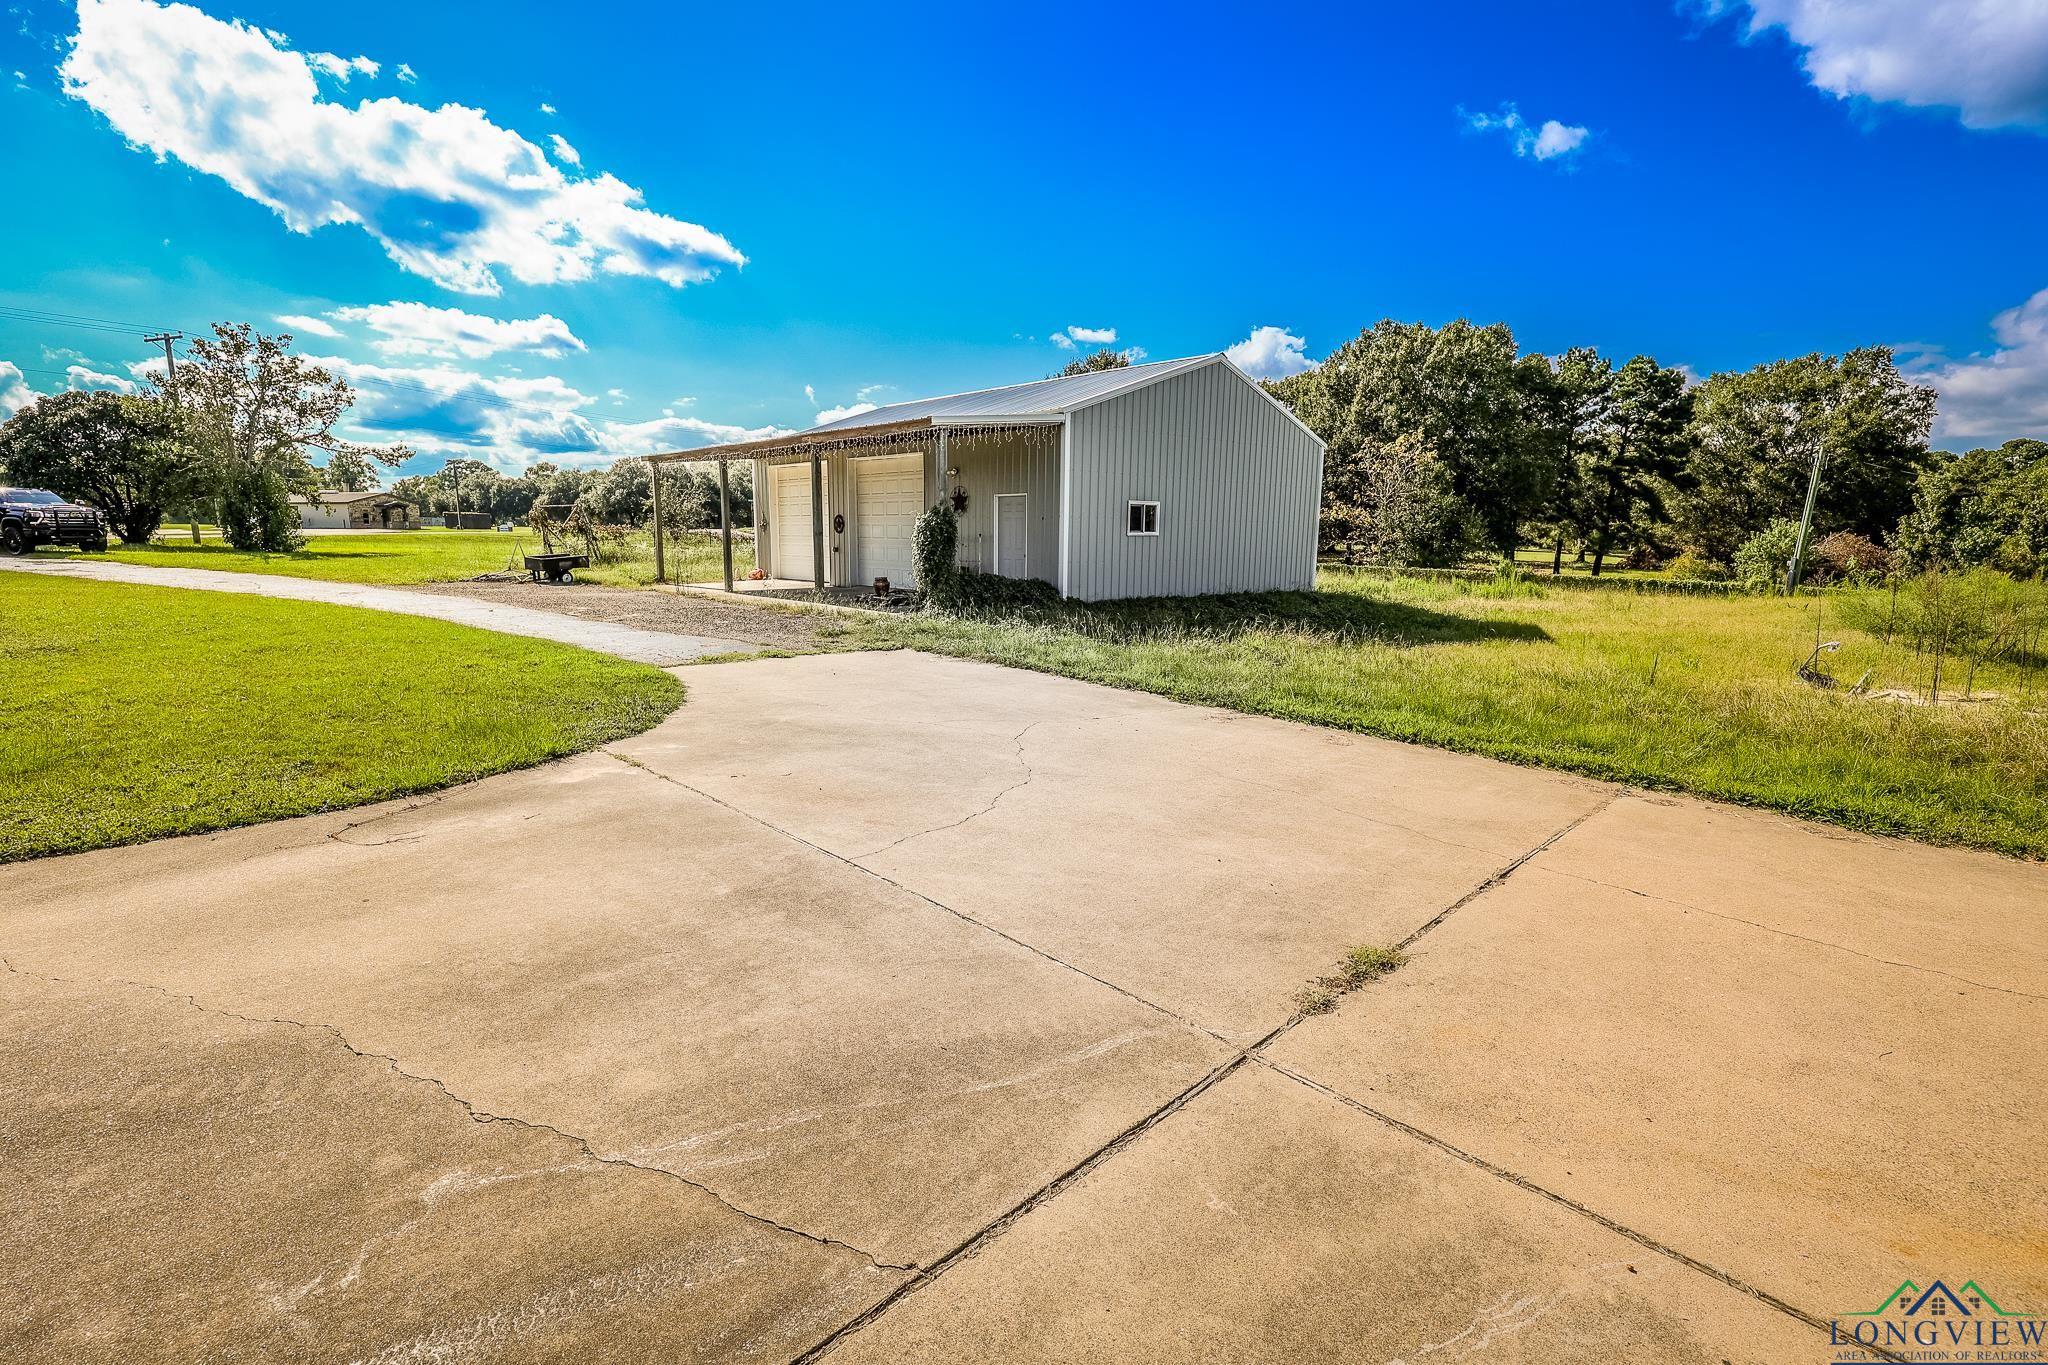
x: 932, y: 435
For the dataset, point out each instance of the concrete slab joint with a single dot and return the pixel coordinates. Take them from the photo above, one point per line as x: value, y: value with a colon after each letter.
x: 900, y: 1008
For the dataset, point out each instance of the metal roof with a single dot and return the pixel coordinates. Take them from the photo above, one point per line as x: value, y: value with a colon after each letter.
x: 1042, y: 398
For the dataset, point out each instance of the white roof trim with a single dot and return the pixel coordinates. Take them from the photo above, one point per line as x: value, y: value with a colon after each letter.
x: 1285, y: 411
x: 1153, y: 375
x: 1197, y: 363
x: 1015, y: 419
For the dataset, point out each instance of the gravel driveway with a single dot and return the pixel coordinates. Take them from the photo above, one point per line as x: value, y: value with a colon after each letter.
x: 675, y: 613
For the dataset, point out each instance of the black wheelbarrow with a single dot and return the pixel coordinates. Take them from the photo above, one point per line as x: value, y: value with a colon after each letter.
x: 556, y: 568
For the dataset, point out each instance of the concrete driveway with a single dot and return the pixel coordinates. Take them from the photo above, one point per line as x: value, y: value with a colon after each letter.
x: 899, y: 1008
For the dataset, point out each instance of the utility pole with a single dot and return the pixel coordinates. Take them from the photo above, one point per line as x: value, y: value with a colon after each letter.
x: 1796, y: 567
x: 166, y: 340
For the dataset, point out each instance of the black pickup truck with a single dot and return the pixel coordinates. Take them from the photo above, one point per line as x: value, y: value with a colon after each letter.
x: 30, y: 517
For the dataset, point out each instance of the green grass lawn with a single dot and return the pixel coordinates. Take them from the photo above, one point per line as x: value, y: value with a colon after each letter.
x: 131, y: 713
x: 409, y: 557
x: 1687, y: 693
x: 432, y: 557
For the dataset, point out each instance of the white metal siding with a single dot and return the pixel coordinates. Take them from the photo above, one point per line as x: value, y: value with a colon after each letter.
x: 1019, y: 462
x: 1237, y: 483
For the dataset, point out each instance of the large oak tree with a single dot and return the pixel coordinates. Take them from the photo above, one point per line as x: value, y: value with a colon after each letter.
x: 111, y: 451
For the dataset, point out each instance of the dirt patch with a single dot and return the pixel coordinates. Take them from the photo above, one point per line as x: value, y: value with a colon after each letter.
x: 653, y: 609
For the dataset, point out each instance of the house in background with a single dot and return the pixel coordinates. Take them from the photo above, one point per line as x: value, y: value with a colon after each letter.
x: 370, y: 511
x: 1167, y: 479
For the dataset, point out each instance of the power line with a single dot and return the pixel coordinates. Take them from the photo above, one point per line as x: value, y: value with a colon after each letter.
x: 60, y: 374
x: 45, y: 318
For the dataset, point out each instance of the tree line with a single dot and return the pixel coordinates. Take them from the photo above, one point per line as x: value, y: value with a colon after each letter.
x: 1446, y: 442
x: 621, y: 495
x: 242, y: 426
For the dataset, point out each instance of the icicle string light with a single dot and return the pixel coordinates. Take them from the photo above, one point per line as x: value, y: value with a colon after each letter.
x: 923, y: 440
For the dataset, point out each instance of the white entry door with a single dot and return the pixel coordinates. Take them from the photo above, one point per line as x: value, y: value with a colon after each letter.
x: 1013, y: 535
x: 791, y: 511
x: 889, y: 493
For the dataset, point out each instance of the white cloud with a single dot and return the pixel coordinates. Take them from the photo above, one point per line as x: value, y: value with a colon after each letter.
x: 53, y: 354
x: 448, y: 194
x: 85, y: 377
x: 617, y: 395
x: 810, y: 395
x: 1545, y: 141
x: 563, y: 151
x: 1986, y: 59
x: 547, y: 109
x: 1556, y: 139
x: 15, y: 394
x: 676, y: 433
x: 406, y: 73
x: 508, y: 421
x: 1997, y: 394
x: 867, y: 391
x: 302, y: 326
x: 850, y: 410
x: 1270, y: 353
x: 450, y: 333
x: 341, y: 68
x: 1073, y: 338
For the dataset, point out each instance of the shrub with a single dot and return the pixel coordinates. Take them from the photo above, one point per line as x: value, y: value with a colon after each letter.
x: 934, y: 544
x: 256, y: 511
x: 1692, y: 568
x: 1846, y: 557
x: 1641, y: 555
x: 975, y: 591
x: 1761, y: 561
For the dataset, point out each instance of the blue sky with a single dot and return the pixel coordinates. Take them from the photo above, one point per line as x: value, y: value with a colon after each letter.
x: 757, y: 214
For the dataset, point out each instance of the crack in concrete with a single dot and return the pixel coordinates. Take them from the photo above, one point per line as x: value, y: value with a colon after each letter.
x: 887, y: 880
x: 1761, y: 1295
x: 1029, y: 776
x: 1787, y: 933
x: 476, y: 1115
x: 339, y: 836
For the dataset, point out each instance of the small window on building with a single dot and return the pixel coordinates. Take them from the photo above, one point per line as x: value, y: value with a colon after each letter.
x: 1144, y: 519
